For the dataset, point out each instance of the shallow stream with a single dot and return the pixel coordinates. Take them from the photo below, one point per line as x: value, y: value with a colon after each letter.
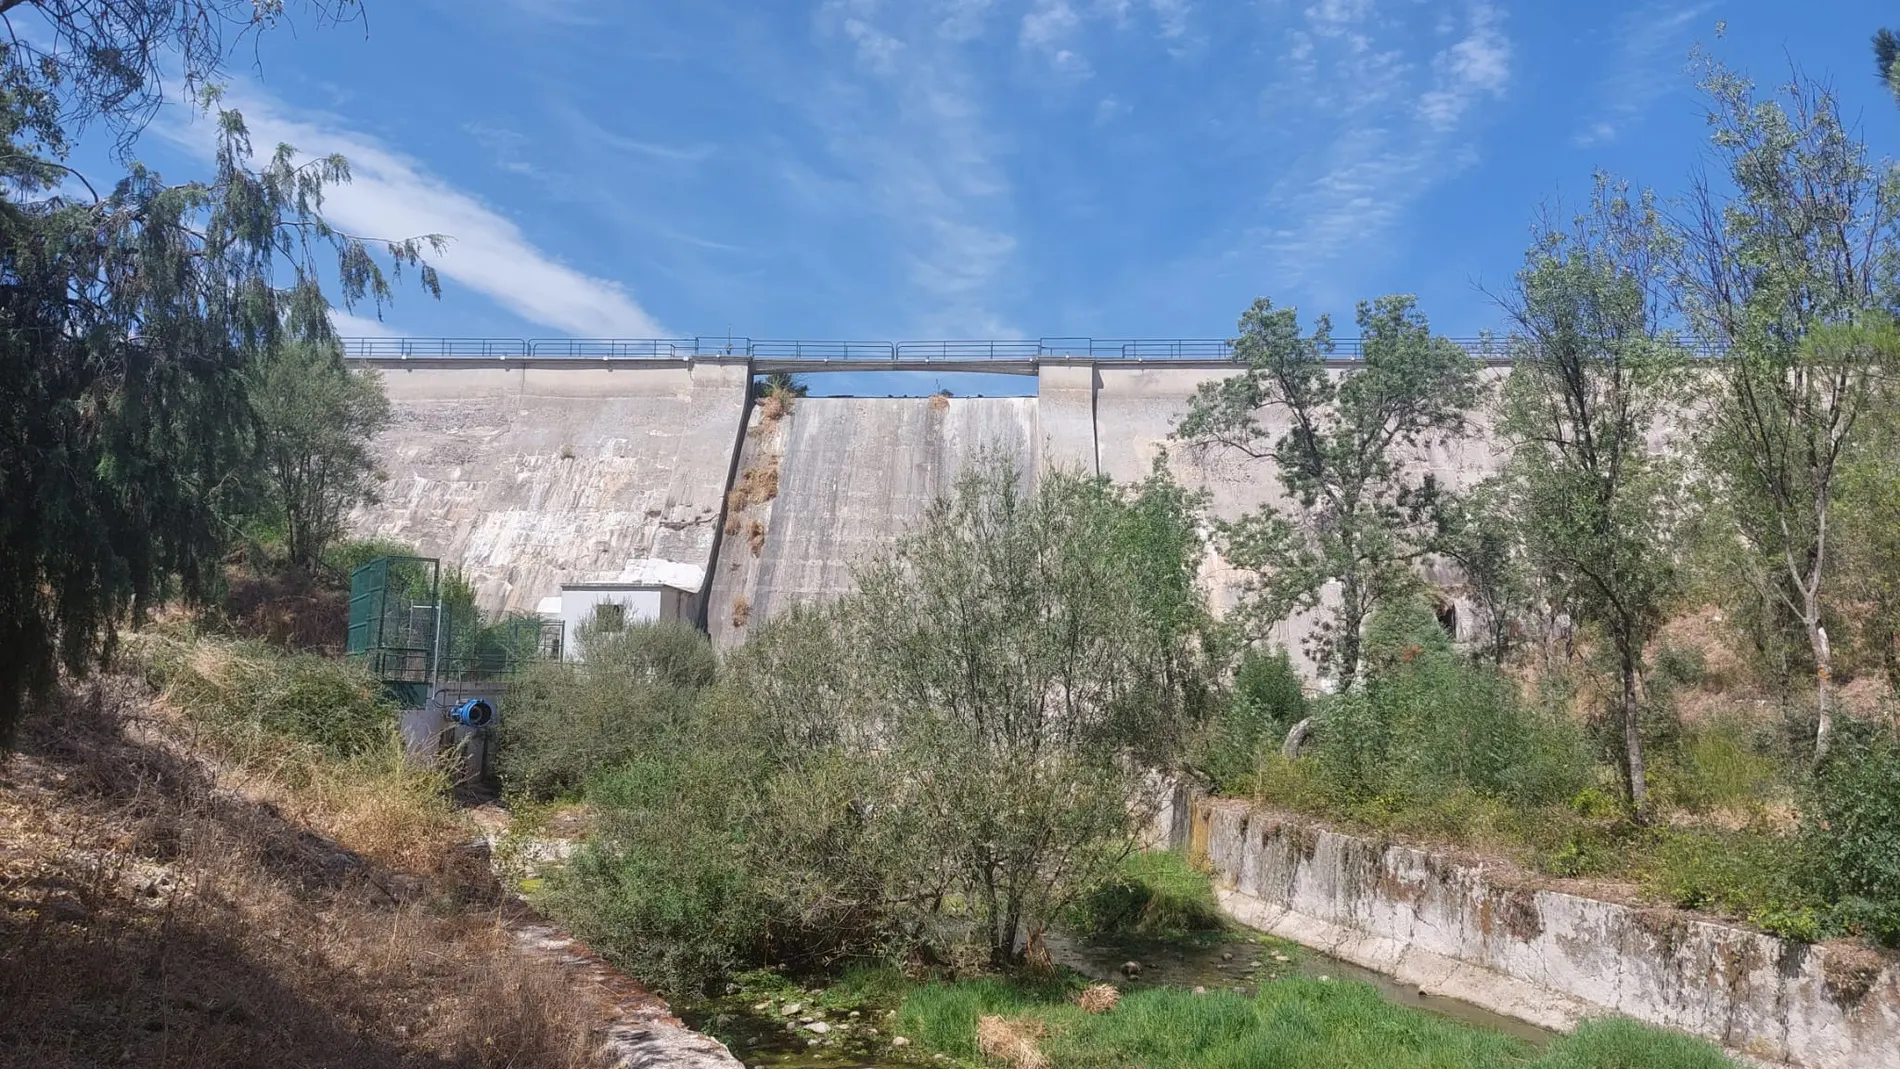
x: 1234, y: 960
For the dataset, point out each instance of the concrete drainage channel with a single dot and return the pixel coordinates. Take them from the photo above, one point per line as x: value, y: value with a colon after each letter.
x: 1462, y: 931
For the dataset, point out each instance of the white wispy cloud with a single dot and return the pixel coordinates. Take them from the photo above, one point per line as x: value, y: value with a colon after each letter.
x: 1047, y: 28
x: 1641, y: 68
x: 394, y: 196
x: 1383, y: 122
x: 1478, y: 65
x: 351, y: 325
x: 1055, y: 29
x: 917, y: 133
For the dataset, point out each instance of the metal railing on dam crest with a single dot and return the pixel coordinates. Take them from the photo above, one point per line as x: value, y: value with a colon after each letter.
x: 767, y: 354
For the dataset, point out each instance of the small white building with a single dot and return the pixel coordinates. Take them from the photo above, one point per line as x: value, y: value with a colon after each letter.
x: 608, y: 607
x: 644, y: 590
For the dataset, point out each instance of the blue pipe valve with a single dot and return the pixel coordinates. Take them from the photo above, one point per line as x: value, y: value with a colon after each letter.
x: 474, y: 713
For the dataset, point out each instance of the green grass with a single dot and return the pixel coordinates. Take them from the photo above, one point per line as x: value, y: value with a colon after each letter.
x: 1290, y: 1025
x: 1156, y: 895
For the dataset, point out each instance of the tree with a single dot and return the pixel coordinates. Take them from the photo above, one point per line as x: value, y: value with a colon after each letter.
x: 1477, y: 532
x: 127, y: 321
x: 1791, y: 274
x: 1867, y: 542
x: 315, y: 421
x: 1362, y: 519
x: 1029, y: 657
x: 1593, y: 377
x: 1887, y: 60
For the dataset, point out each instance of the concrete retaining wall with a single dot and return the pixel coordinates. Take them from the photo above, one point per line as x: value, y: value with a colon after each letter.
x: 1544, y: 956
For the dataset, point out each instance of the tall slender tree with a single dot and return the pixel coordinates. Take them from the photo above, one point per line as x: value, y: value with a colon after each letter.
x: 1594, y: 376
x: 1792, y: 273
x: 128, y: 312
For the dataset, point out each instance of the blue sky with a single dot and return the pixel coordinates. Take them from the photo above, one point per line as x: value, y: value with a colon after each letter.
x: 984, y: 168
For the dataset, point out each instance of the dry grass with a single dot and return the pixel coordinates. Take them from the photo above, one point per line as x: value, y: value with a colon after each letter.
x: 741, y: 611
x: 758, y: 483
x: 1098, y: 998
x: 158, y: 911
x: 772, y: 408
x: 1011, y: 1042
x: 755, y: 538
x: 939, y: 402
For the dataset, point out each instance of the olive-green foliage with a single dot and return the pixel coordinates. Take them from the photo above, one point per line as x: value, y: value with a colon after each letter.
x: 246, y: 692
x: 1748, y: 873
x: 565, y: 720
x: 316, y: 420
x: 1594, y: 373
x: 1156, y: 894
x: 741, y: 834
x: 1427, y: 725
x: 1027, y: 656
x: 1267, y: 699
x: 1723, y: 764
x: 342, y: 558
x: 1289, y: 1023
x: 1342, y: 457
x: 964, y: 740
x: 666, y: 885
x: 1788, y: 265
x: 128, y: 320
x: 1853, y: 830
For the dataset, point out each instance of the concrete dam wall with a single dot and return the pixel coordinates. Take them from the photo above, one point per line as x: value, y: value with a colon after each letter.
x: 530, y: 472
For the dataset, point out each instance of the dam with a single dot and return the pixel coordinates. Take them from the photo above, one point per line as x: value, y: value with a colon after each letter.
x: 530, y: 465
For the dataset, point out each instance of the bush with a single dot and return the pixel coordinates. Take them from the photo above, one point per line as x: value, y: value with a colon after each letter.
x: 565, y: 721
x: 249, y: 695
x: 1427, y: 725
x: 1749, y: 874
x: 1718, y: 765
x: 1152, y: 894
x: 665, y: 886
x: 1266, y: 701
x: 342, y: 558
x: 1853, y: 830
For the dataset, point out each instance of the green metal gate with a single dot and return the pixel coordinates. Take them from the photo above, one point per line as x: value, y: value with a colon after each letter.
x: 395, y: 620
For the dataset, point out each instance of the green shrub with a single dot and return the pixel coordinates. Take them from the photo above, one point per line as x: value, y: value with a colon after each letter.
x: 251, y: 695
x: 1753, y: 874
x: 342, y: 558
x: 1266, y: 701
x: 1152, y: 894
x: 565, y: 721
x: 1717, y: 765
x: 664, y: 886
x: 1427, y: 725
x: 1680, y: 666
x: 1853, y: 829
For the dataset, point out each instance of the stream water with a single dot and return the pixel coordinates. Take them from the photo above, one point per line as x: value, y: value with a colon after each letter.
x: 1235, y: 961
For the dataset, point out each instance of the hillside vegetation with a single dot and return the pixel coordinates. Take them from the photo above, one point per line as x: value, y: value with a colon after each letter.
x: 189, y: 878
